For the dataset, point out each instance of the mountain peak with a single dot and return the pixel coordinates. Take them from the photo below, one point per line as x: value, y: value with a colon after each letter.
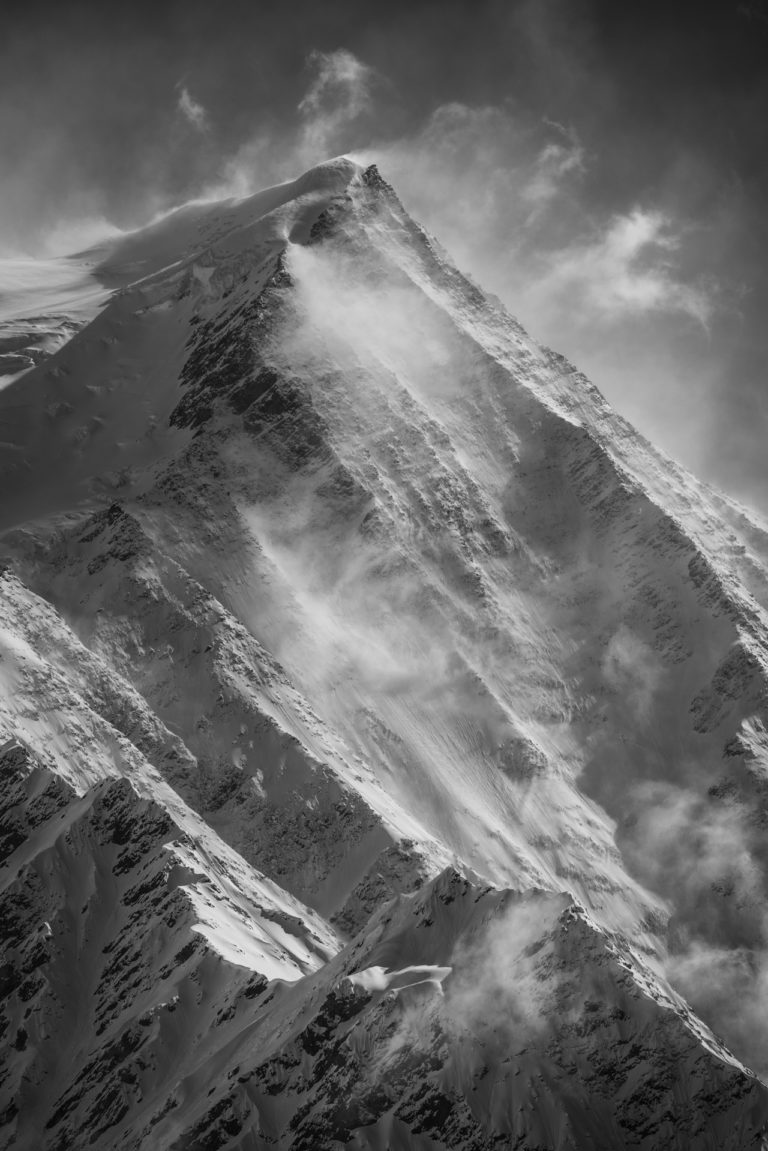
x: 335, y: 173
x: 417, y: 643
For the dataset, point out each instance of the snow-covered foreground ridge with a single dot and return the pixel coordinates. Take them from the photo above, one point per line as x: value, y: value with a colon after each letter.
x: 383, y: 722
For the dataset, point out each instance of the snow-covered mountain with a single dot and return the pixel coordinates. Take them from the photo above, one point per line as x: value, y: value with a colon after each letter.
x: 383, y: 725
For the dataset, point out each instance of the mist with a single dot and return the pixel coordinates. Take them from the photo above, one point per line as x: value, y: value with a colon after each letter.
x: 706, y: 856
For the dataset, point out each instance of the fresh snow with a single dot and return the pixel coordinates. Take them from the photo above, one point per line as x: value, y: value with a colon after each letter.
x: 379, y: 979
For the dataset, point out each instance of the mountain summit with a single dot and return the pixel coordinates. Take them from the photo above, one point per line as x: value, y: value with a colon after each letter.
x: 384, y: 724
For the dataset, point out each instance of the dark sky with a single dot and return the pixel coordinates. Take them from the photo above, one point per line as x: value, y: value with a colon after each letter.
x: 601, y: 166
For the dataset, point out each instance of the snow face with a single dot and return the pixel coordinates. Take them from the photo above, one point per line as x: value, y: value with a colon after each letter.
x: 324, y: 586
x: 42, y: 304
x: 344, y: 1060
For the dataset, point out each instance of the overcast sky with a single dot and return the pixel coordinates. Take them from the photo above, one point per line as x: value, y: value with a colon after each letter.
x: 600, y: 166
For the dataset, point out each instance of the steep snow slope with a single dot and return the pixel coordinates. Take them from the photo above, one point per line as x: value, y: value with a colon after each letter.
x: 127, y: 937
x: 102, y: 408
x: 43, y: 303
x: 547, y: 1034
x: 307, y: 539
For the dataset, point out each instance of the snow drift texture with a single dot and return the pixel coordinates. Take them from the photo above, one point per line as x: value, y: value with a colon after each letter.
x: 383, y: 723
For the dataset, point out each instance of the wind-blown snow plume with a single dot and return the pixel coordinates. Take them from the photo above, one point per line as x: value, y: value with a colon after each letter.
x: 727, y: 986
x: 360, y: 609
x: 476, y: 174
x: 496, y: 986
x: 192, y: 110
x: 339, y: 93
x: 335, y: 103
x: 705, y: 856
x: 633, y: 671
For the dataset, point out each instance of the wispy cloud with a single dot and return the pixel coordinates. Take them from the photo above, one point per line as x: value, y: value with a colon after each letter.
x: 338, y: 94
x: 633, y: 670
x: 506, y: 195
x: 192, y: 110
x: 704, y: 855
x: 496, y: 982
x: 556, y: 163
x: 77, y: 235
x: 486, y: 165
x: 627, y: 266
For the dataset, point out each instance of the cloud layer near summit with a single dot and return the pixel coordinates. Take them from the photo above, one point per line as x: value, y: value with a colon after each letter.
x: 585, y: 165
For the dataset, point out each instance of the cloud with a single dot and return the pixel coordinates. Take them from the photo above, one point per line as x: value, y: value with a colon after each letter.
x: 704, y: 855
x: 480, y: 170
x: 337, y: 96
x: 497, y: 982
x: 554, y: 166
x: 689, y: 845
x: 621, y: 284
x: 626, y: 268
x: 256, y: 164
x: 728, y: 987
x: 504, y: 192
x: 192, y: 110
x: 633, y: 670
